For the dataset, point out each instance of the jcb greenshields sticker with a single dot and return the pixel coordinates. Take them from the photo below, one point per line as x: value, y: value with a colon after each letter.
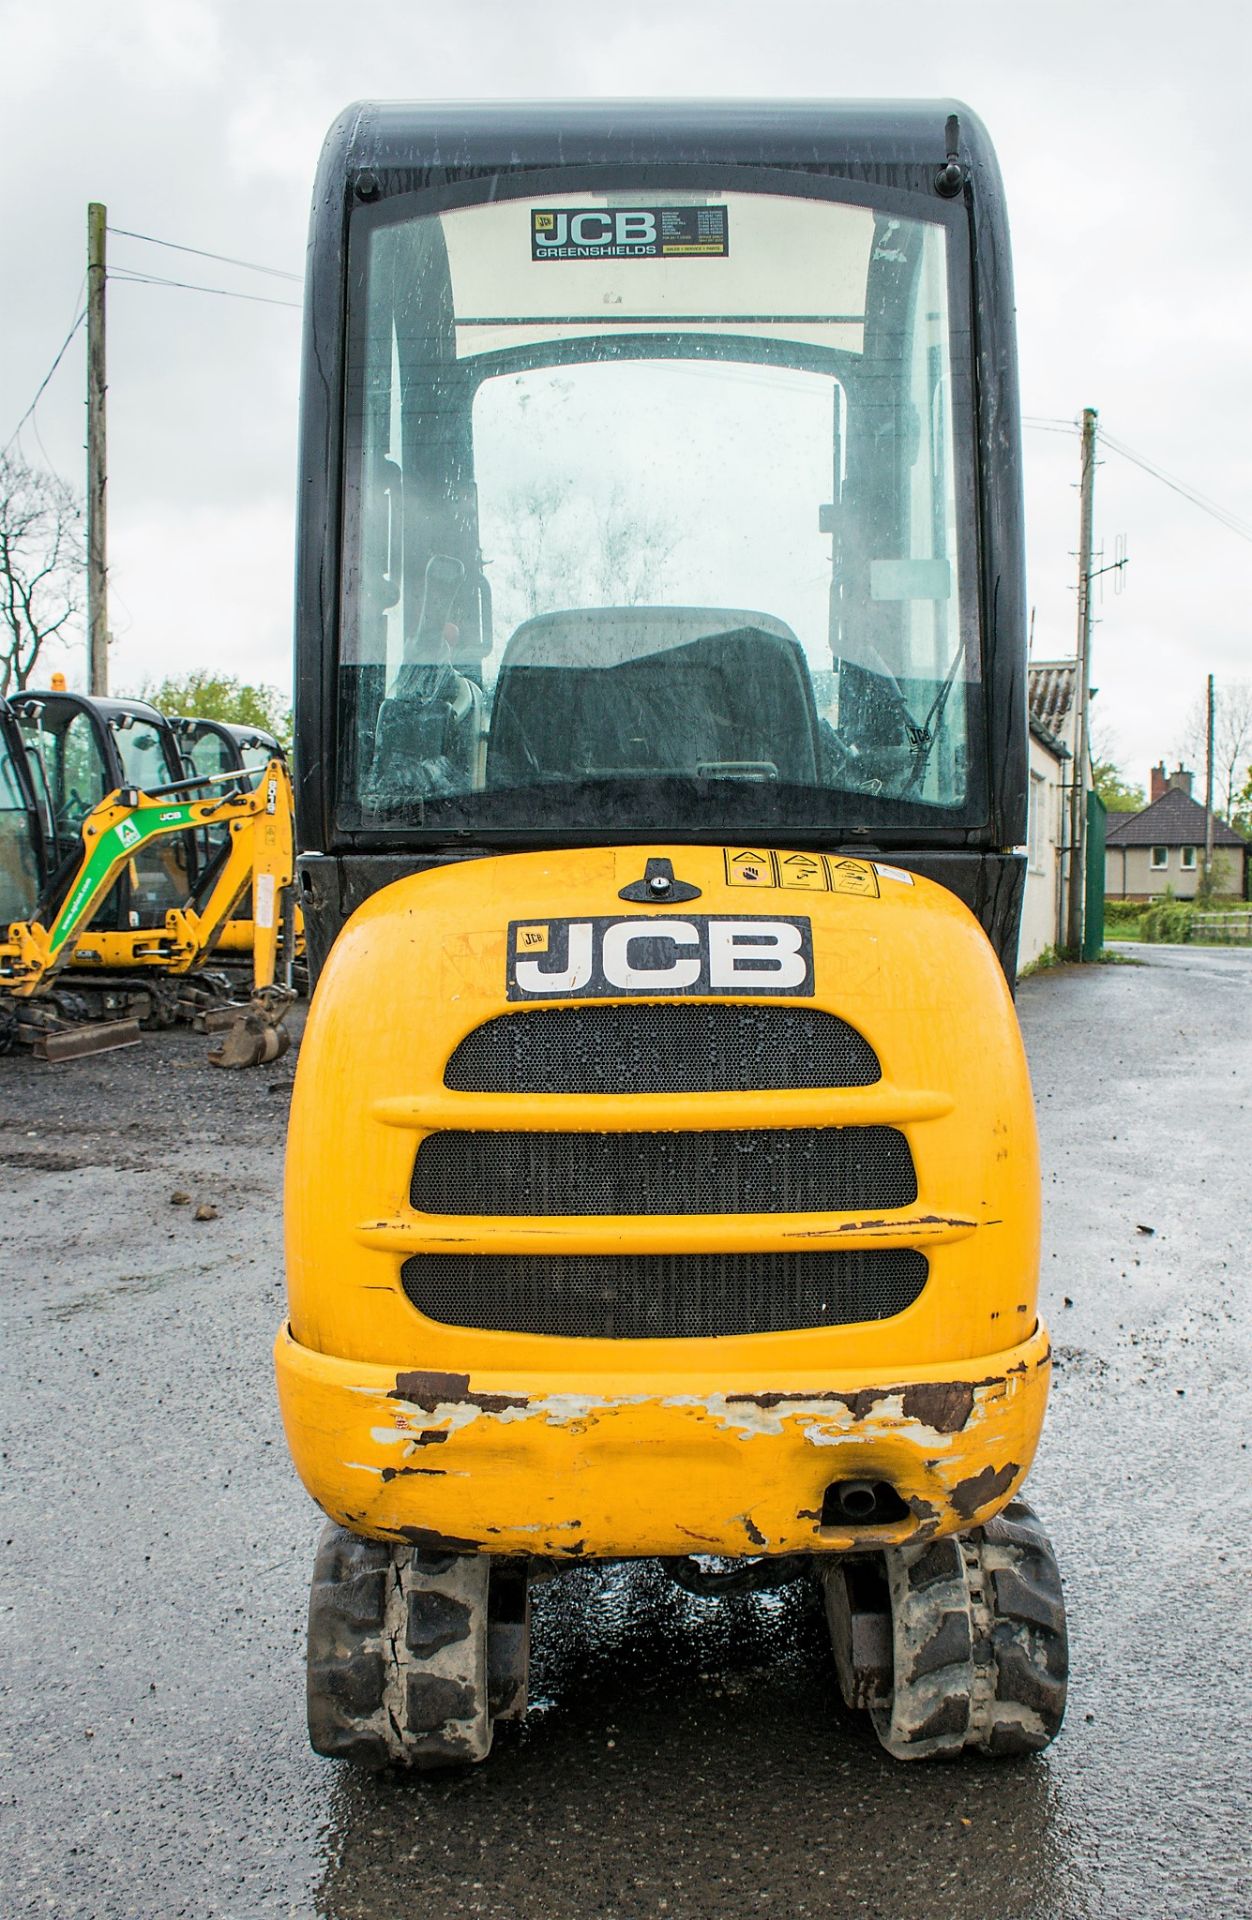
x: 598, y: 959
x: 629, y: 233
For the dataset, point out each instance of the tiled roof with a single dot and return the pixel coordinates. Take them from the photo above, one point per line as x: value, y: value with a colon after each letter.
x: 1048, y: 739
x: 1051, y: 685
x: 1175, y: 820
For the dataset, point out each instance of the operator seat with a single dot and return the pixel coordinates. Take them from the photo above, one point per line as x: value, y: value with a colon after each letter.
x: 684, y: 692
x: 426, y: 741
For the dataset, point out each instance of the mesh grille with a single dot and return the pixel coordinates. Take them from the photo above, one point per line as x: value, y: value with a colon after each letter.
x: 663, y: 1296
x: 760, y: 1170
x: 659, y: 1048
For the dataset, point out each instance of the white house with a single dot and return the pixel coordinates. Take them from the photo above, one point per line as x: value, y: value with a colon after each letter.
x: 1052, y: 719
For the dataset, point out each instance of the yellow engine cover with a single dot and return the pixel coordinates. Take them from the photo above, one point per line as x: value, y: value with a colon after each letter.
x: 403, y: 1426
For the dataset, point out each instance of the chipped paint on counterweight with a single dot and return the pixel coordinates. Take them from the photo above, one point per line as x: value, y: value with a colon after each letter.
x: 508, y: 1461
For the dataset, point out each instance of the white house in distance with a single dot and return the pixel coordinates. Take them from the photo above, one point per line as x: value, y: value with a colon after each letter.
x: 1161, y: 848
x: 1052, y: 717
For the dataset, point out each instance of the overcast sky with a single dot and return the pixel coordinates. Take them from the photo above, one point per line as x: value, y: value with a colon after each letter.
x: 1122, y: 131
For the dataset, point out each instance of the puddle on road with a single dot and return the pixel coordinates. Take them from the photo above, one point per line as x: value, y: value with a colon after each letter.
x: 690, y: 1756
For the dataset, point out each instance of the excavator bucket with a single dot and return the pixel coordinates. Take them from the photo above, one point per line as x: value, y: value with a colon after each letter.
x: 256, y: 1035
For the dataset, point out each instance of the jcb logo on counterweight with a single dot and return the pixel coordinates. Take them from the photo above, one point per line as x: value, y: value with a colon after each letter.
x: 602, y: 959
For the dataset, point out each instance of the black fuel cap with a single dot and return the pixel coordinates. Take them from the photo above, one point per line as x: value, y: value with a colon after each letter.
x: 659, y: 886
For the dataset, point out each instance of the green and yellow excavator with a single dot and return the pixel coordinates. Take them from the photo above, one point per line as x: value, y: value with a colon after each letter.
x: 119, y: 837
x: 216, y: 748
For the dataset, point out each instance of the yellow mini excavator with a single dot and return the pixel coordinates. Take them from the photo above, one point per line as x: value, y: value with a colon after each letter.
x: 216, y: 748
x: 662, y: 1173
x: 113, y: 835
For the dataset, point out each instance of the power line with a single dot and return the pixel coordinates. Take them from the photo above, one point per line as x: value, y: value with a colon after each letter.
x: 1211, y: 507
x: 125, y: 275
x: 82, y: 315
x: 228, y: 260
x: 149, y: 280
x: 34, y: 427
x: 1217, y: 512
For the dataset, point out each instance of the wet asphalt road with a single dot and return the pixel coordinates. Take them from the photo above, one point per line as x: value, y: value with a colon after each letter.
x: 685, y: 1758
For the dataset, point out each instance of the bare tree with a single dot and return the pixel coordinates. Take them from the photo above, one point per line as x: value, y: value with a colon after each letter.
x: 1119, y: 794
x: 563, y: 550
x: 1232, y: 741
x: 540, y: 565
x: 633, y: 551
x: 41, y: 566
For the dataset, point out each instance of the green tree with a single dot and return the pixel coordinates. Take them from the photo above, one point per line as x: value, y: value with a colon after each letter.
x: 1116, y: 794
x: 204, y: 695
x: 1241, y: 812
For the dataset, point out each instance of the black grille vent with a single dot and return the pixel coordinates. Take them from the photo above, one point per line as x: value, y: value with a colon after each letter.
x: 659, y: 1048
x: 663, y: 1296
x: 758, y: 1170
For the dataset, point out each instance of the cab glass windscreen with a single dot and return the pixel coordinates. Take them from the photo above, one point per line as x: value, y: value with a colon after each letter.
x: 658, y: 515
x: 19, y: 866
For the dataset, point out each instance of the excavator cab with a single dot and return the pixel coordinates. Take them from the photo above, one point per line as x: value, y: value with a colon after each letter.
x: 21, y: 837
x: 81, y: 749
x: 214, y: 750
x: 662, y: 1177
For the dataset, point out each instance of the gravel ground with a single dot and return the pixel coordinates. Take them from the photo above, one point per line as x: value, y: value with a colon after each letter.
x: 684, y: 1758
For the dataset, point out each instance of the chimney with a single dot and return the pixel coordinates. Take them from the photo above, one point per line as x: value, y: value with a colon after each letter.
x: 1160, y: 782
x: 1180, y: 781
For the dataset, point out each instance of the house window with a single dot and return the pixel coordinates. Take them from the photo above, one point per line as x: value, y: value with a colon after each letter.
x: 1038, y: 820
x: 1188, y: 859
x: 1160, y: 859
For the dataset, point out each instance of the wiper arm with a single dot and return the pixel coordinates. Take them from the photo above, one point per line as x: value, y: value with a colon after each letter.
x: 928, y: 732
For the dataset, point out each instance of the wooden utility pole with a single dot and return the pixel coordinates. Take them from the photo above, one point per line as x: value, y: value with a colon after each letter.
x: 1082, y: 692
x: 97, y: 459
x: 1208, y: 797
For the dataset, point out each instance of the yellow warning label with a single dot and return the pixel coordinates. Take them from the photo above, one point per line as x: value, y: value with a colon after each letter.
x: 806, y: 872
x: 853, y: 876
x: 798, y: 872
x: 532, y: 939
x: 749, y: 867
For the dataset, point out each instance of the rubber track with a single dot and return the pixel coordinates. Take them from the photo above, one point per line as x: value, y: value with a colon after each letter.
x: 397, y: 1654
x: 981, y: 1655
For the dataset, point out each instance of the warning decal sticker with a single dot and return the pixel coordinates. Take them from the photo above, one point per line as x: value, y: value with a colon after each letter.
x: 805, y: 871
x: 853, y: 876
x: 629, y: 233
x: 801, y: 872
x: 749, y: 867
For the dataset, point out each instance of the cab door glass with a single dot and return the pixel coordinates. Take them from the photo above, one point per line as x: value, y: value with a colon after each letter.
x: 208, y: 755
x: 19, y: 864
x: 161, y: 874
x: 69, y: 768
x: 145, y: 761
